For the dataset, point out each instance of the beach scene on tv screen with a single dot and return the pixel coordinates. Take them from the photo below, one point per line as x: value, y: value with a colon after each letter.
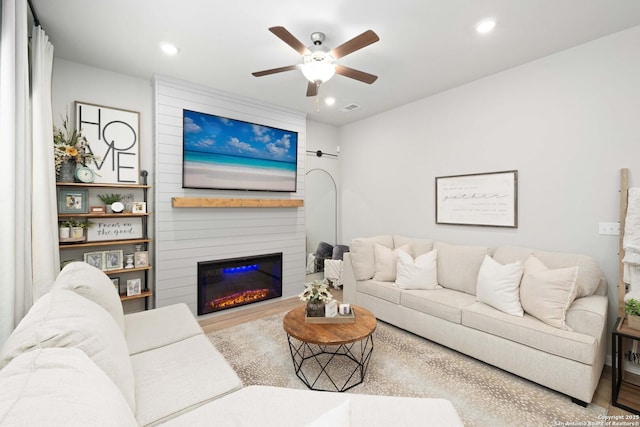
x: 223, y: 153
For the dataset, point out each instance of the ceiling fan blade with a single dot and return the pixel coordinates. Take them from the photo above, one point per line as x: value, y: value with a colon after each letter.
x: 312, y: 89
x: 274, y: 70
x: 358, y: 42
x: 289, y: 39
x: 356, y: 74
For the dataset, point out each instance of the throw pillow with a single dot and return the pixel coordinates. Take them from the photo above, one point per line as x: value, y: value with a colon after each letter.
x: 385, y: 260
x: 420, y: 273
x: 340, y: 416
x: 547, y: 294
x: 338, y: 252
x: 499, y: 286
x: 458, y: 266
x: 361, y: 251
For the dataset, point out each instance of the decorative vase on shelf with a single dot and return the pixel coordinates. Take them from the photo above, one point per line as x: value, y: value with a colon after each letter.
x: 65, y: 233
x: 77, y: 233
x: 315, y: 308
x: 129, y: 261
x: 67, y: 171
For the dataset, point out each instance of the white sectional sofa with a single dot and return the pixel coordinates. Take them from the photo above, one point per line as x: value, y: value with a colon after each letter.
x: 77, y: 360
x: 565, y: 352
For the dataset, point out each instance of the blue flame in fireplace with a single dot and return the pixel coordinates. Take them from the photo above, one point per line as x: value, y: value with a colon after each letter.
x: 240, y: 269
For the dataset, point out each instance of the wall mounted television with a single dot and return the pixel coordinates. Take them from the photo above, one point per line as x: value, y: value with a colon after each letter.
x: 227, y: 154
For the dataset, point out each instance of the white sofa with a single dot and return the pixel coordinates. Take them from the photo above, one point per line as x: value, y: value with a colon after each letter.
x: 567, y: 357
x: 77, y: 360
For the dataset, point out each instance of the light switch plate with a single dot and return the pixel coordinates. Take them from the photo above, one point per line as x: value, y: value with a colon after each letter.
x: 609, y: 228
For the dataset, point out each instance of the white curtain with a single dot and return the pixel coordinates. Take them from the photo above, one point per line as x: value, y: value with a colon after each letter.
x: 24, y: 244
x: 44, y: 210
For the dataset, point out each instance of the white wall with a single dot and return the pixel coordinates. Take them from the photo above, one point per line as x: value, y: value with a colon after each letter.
x: 567, y: 123
x: 76, y: 82
x: 319, y: 205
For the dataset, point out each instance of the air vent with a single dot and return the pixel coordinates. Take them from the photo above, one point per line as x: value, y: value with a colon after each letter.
x: 350, y: 107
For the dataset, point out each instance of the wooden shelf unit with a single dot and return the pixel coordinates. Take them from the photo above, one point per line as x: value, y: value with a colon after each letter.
x: 103, y: 243
x: 143, y: 294
x: 146, y: 291
x: 101, y: 185
x: 103, y: 215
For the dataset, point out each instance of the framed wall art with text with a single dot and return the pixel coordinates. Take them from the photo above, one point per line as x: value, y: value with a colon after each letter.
x: 485, y: 199
x: 113, y: 136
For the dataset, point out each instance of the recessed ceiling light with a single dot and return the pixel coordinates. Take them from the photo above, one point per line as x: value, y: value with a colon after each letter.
x: 169, y: 48
x: 486, y: 25
x: 329, y: 100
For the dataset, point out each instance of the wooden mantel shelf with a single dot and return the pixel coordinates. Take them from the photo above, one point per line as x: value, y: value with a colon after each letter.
x: 207, y: 202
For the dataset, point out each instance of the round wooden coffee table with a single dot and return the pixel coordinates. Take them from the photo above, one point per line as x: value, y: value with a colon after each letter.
x: 330, y: 356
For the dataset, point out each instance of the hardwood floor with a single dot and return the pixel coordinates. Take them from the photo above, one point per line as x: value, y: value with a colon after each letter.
x: 602, y: 396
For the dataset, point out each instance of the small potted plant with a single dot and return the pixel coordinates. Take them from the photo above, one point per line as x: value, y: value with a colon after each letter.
x: 72, y: 230
x: 632, y: 310
x: 316, y: 294
x: 108, y: 199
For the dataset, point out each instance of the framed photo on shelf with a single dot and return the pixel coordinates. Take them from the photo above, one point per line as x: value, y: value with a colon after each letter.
x: 113, y: 260
x: 134, y: 287
x: 95, y: 259
x: 116, y: 283
x: 141, y: 259
x: 138, y: 207
x: 73, y: 201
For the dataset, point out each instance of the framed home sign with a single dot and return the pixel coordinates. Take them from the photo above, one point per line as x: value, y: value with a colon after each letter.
x: 484, y: 199
x: 113, y: 136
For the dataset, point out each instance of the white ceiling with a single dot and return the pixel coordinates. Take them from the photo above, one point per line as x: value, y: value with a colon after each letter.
x: 425, y: 47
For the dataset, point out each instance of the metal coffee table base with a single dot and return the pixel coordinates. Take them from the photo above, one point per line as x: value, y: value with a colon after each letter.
x: 320, y: 366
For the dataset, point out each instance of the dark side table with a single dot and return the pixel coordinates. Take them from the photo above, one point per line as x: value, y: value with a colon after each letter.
x: 624, y: 394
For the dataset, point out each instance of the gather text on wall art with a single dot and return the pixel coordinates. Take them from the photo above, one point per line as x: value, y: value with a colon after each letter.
x: 113, y: 136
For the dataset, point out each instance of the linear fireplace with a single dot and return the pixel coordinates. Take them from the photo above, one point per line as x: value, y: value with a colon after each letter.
x: 229, y: 283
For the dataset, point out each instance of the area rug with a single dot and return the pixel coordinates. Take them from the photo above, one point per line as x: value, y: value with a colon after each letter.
x: 404, y: 364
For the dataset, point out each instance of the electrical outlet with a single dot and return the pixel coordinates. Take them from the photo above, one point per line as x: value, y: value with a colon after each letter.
x: 609, y: 228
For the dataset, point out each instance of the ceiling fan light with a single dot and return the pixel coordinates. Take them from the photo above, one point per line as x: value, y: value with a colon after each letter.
x: 318, y: 67
x: 318, y: 71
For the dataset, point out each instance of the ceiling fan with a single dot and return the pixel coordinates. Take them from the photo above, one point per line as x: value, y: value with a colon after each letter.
x: 319, y: 61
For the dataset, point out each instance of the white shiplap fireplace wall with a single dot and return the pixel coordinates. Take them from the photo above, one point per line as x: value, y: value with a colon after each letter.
x: 185, y: 236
